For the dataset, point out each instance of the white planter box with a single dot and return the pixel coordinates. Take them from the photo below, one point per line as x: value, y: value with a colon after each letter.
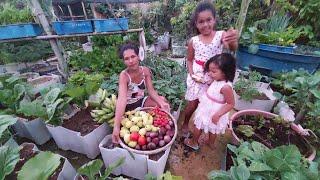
x: 43, y: 82
x: 137, y: 166
x: 67, y: 172
x: 263, y: 105
x: 35, y: 130
x: 71, y: 140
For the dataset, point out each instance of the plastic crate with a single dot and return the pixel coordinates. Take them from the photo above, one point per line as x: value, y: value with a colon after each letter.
x: 112, y: 24
x: 72, y: 27
x: 14, y: 31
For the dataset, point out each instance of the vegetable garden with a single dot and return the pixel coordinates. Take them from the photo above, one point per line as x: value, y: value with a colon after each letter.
x: 59, y: 91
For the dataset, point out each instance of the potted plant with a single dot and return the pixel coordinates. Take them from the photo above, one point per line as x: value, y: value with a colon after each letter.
x: 270, y: 130
x: 250, y: 93
x: 270, y: 44
x: 12, y: 20
x: 85, y: 129
x: 256, y: 161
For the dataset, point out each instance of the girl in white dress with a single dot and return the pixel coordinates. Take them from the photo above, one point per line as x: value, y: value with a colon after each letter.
x: 211, y: 115
x: 208, y: 43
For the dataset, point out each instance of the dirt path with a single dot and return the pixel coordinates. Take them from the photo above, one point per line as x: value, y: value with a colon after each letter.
x: 196, y: 165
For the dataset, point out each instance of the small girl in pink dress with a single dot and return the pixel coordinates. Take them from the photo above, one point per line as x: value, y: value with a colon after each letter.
x: 211, y: 115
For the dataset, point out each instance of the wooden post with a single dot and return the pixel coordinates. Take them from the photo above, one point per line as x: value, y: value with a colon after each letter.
x: 242, y: 15
x: 84, y: 10
x: 70, y: 12
x: 55, y: 44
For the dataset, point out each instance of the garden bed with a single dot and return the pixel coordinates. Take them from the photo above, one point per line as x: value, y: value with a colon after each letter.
x: 84, y: 134
x: 270, y: 130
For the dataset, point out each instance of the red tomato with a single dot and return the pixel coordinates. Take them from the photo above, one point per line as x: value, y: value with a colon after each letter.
x: 134, y: 136
x: 142, y: 141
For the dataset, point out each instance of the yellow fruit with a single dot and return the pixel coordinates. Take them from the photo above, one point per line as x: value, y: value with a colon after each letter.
x: 136, y: 119
x: 142, y: 131
x: 154, y: 129
x: 126, y: 138
x: 128, y: 124
x: 123, y: 121
x: 132, y: 144
x: 148, y: 127
x: 140, y: 124
x: 134, y: 129
x: 123, y: 132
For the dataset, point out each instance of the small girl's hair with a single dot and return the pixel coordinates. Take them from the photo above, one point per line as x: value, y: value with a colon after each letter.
x: 226, y: 62
x: 127, y: 46
x: 202, y: 6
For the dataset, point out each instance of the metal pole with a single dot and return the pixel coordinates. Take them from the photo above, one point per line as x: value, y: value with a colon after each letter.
x: 55, y: 44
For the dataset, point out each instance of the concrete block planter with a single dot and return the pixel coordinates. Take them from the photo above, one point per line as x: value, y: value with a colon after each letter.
x: 71, y: 140
x: 263, y: 105
x: 136, y: 165
x: 35, y: 130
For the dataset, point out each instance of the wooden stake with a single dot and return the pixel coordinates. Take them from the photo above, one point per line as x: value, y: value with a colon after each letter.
x: 84, y: 10
x: 70, y: 12
x: 55, y: 44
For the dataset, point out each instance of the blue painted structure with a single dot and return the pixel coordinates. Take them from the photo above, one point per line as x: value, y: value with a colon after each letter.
x: 72, y: 27
x: 276, y: 61
x: 112, y: 24
x: 14, y: 31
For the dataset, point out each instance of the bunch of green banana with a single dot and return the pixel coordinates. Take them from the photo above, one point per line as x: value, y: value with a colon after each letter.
x: 95, y: 100
x: 106, y: 111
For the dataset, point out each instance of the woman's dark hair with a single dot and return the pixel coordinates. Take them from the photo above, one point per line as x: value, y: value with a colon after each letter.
x: 226, y: 62
x: 202, y: 6
x: 127, y: 46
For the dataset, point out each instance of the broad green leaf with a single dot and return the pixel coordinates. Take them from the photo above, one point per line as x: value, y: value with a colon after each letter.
x: 9, y: 157
x: 5, y: 122
x: 259, y: 149
x: 247, y: 130
x: 259, y: 166
x: 51, y: 108
x: 168, y: 176
x: 219, y: 175
x: 51, y: 96
x: 111, y: 167
x: 18, y: 91
x: 91, y: 168
x: 240, y: 172
x: 40, y: 167
x: 12, y: 79
x: 296, y: 175
x: 316, y: 93
x: 33, y: 109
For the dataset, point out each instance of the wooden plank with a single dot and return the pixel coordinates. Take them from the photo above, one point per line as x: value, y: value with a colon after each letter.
x: 84, y: 10
x: 70, y: 12
x: 46, y: 37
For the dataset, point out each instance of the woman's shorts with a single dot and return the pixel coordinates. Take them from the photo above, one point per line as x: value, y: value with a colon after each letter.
x: 139, y: 103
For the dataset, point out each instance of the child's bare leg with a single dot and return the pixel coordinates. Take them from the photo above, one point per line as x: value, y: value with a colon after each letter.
x: 190, y: 108
x: 212, y: 139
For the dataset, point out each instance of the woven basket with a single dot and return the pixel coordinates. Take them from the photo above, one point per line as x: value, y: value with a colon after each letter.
x: 155, y: 151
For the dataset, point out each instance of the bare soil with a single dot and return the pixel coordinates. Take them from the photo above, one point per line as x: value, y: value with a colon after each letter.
x: 81, y: 122
x: 190, y: 164
x: 272, y: 134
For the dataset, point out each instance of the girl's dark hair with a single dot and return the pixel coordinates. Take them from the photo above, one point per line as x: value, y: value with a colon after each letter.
x: 127, y: 46
x: 226, y: 62
x: 202, y: 6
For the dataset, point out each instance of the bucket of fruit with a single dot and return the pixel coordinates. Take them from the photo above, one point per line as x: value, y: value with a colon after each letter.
x: 147, y: 131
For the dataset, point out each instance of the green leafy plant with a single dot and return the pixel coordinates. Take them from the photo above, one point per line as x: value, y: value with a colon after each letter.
x: 91, y: 169
x: 303, y: 96
x: 50, y: 107
x: 81, y: 85
x: 40, y: 167
x: 100, y: 60
x: 9, y: 157
x: 5, y: 122
x: 9, y: 14
x: 246, y: 87
x: 168, y: 78
x: 256, y: 161
x: 111, y: 84
x: 180, y: 22
x: 107, y: 41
